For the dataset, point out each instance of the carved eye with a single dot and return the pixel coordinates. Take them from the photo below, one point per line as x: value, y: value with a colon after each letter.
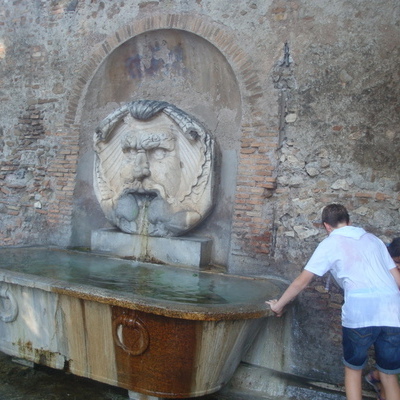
x: 129, y: 151
x: 159, y: 154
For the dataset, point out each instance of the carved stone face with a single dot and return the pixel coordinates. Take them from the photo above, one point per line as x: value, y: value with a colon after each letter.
x: 153, y: 169
x: 151, y: 162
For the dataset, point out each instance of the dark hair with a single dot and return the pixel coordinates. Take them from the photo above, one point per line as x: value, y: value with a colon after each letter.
x: 394, y: 247
x: 335, y: 214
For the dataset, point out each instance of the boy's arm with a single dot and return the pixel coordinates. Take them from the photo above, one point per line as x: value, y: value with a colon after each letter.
x: 277, y: 306
x: 396, y: 275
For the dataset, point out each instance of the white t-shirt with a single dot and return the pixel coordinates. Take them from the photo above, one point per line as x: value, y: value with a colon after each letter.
x: 361, y: 264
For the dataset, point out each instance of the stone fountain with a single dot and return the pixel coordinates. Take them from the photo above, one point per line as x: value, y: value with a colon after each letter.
x: 154, y: 176
x: 166, y: 329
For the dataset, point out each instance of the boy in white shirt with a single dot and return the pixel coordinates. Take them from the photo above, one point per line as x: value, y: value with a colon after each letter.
x: 362, y: 266
x: 373, y: 377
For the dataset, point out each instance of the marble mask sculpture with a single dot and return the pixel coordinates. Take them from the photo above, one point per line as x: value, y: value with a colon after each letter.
x: 153, y: 172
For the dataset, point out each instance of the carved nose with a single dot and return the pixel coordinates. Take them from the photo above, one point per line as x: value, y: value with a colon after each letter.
x: 142, y: 168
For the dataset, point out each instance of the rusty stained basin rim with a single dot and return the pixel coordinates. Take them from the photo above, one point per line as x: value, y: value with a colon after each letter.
x: 173, y: 309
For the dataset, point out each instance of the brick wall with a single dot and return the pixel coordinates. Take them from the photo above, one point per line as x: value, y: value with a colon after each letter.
x: 319, y: 123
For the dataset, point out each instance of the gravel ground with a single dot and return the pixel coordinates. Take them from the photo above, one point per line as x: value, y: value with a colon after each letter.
x: 20, y: 382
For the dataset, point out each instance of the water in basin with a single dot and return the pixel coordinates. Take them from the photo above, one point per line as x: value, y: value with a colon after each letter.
x: 159, y: 282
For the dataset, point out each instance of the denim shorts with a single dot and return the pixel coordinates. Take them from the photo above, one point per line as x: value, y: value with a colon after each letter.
x: 386, y: 341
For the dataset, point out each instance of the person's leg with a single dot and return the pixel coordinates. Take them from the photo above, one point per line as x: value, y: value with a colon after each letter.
x: 356, y: 343
x: 352, y: 382
x: 391, y: 385
x: 375, y: 374
x: 387, y: 355
x: 374, y: 380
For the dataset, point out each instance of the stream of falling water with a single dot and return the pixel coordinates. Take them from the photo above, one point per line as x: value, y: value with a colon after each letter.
x: 143, y: 222
x: 142, y: 219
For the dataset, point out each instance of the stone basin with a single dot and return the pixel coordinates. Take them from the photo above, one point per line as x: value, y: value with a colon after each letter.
x: 158, y: 330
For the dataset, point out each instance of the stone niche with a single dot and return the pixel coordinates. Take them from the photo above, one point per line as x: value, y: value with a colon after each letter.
x: 193, y: 85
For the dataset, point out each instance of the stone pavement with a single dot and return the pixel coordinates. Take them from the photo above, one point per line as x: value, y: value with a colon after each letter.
x: 21, y: 382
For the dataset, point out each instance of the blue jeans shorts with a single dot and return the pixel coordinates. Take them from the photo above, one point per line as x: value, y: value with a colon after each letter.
x: 386, y: 341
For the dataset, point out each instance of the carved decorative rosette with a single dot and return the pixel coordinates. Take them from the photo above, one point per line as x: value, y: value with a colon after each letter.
x: 8, y: 305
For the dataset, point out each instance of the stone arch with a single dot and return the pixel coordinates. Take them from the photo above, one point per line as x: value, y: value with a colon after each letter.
x: 224, y: 41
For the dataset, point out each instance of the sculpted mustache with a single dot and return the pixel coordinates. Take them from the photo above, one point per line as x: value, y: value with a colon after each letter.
x: 147, y: 186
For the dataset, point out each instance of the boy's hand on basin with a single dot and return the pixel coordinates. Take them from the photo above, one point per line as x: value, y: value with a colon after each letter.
x: 278, y: 306
x: 278, y: 311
